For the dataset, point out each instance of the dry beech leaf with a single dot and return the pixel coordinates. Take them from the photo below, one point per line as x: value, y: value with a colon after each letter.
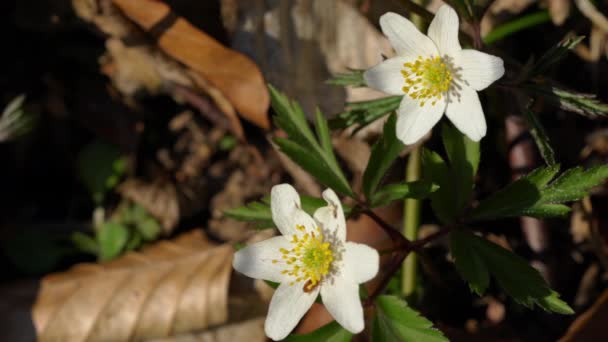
x: 235, y: 75
x: 250, y: 331
x: 158, y: 198
x: 170, y: 288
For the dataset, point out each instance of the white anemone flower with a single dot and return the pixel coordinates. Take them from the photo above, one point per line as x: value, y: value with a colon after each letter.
x: 312, y: 256
x: 435, y: 75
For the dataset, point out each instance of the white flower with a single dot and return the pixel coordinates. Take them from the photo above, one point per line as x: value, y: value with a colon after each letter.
x: 435, y: 74
x: 311, y: 257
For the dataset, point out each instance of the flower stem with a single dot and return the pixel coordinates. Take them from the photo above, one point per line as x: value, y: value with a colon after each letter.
x: 517, y: 25
x: 411, y: 221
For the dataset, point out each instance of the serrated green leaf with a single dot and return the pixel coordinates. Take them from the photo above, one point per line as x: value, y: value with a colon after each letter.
x: 331, y: 332
x: 513, y: 199
x: 313, y: 165
x: 384, y: 152
x: 316, y: 158
x: 463, y: 154
x: 436, y: 171
x: 512, y: 273
x: 540, y: 138
x: 112, y: 238
x: 546, y: 210
x: 584, y: 104
x: 353, y: 78
x: 393, y: 192
x: 468, y: 264
x: 396, y: 321
x: 364, y: 113
x: 554, y: 55
x: 574, y: 184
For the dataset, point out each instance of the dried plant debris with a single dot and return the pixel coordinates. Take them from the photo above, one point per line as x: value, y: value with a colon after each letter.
x: 170, y: 288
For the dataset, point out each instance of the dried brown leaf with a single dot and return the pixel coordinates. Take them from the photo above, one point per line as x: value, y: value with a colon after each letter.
x: 158, y: 198
x: 172, y: 287
x: 235, y: 75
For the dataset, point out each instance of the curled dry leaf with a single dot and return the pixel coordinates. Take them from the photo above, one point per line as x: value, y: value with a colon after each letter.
x: 235, y: 75
x: 158, y: 198
x: 170, y: 288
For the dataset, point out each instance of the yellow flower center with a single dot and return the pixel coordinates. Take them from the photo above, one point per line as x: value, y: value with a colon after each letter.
x: 426, y: 79
x: 309, y: 258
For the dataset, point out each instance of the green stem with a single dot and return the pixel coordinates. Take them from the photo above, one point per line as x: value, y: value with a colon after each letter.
x: 411, y: 221
x: 516, y: 25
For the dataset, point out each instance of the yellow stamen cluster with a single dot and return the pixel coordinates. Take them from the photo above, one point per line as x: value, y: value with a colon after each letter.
x: 309, y: 259
x: 426, y: 79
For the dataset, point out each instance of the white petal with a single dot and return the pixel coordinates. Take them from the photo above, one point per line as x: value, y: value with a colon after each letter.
x: 255, y: 261
x: 361, y: 261
x: 443, y: 31
x: 464, y: 110
x: 414, y: 121
x: 405, y: 37
x: 477, y: 69
x: 288, y: 305
x: 341, y: 298
x: 286, y: 210
x: 331, y: 218
x: 387, y: 76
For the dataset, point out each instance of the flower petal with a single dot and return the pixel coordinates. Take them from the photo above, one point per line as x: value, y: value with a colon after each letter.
x: 255, y: 261
x: 405, y: 37
x: 465, y: 112
x: 286, y: 210
x: 288, y: 305
x: 477, y: 69
x: 414, y: 121
x: 361, y: 261
x: 341, y: 298
x: 443, y: 31
x: 331, y: 218
x: 387, y: 76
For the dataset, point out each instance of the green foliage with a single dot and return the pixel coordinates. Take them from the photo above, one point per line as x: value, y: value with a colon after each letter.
x: 100, y: 167
x: 476, y: 259
x: 553, y: 56
x: 85, y: 243
x: 137, y: 217
x: 384, y: 152
x: 519, y: 24
x: 259, y: 211
x: 112, y: 238
x: 533, y: 195
x: 396, y: 321
x: 455, y: 180
x: 395, y: 192
x: 540, y: 138
x: 331, y: 332
x: 316, y: 157
x: 365, y: 112
x: 15, y: 121
x: 584, y: 104
x: 353, y: 78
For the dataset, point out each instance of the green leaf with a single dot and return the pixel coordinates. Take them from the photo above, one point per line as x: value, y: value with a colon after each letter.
x: 516, y: 197
x: 396, y: 321
x: 112, y: 238
x: 313, y: 165
x: 149, y: 228
x: 134, y: 242
x: 476, y: 257
x: 574, y: 184
x: 554, y: 55
x: 464, y: 155
x: 15, y: 121
x: 259, y: 211
x: 316, y: 158
x: 331, y: 332
x: 393, y: 192
x: 436, y: 171
x: 540, y: 138
x: 85, y: 243
x: 384, y: 152
x: 365, y: 112
x: 584, y: 104
x: 353, y: 78
x: 520, y: 23
x: 100, y: 167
